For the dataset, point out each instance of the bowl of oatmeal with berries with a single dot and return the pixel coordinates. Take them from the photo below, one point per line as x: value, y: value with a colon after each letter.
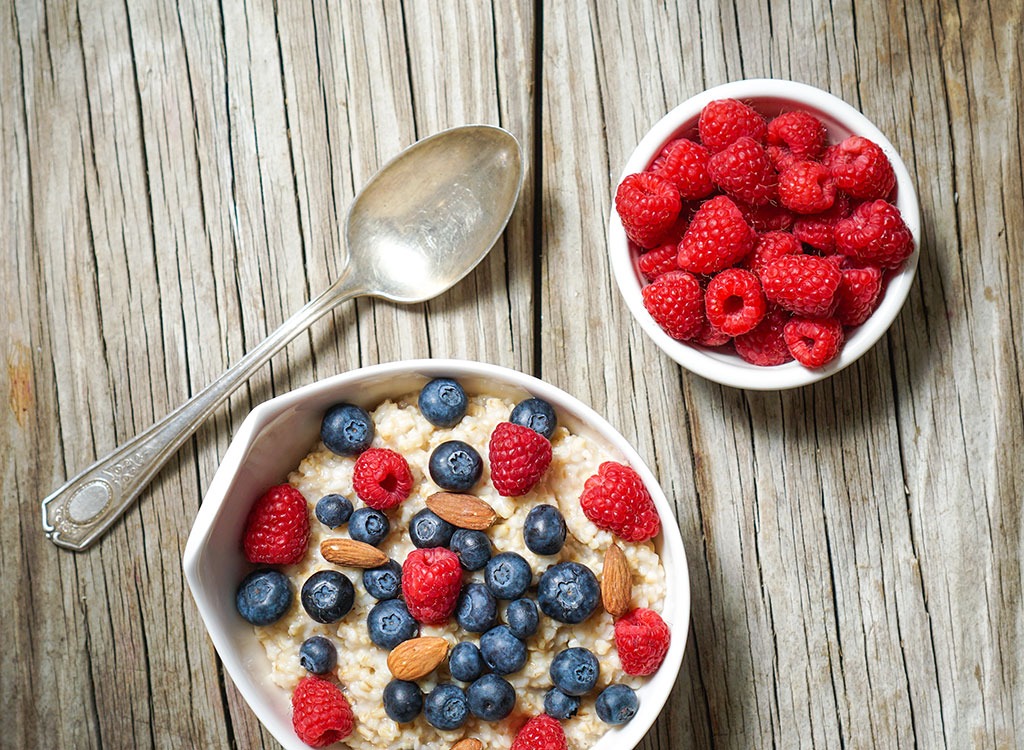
x: 440, y: 553
x: 764, y: 234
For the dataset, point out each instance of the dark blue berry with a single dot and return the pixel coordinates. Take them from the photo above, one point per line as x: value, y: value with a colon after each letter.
x: 559, y: 705
x: 264, y: 596
x: 384, y: 582
x: 390, y: 623
x: 477, y: 609
x: 472, y: 547
x: 465, y: 662
x: 536, y: 414
x: 508, y: 575
x: 403, y: 701
x: 327, y: 596
x: 427, y: 529
x: 443, y: 402
x: 522, y: 618
x: 446, y: 707
x: 544, y: 530
x: 491, y: 698
x: 574, y: 671
x: 369, y: 525
x: 568, y: 592
x: 617, y: 704
x: 503, y: 652
x: 455, y: 466
x: 347, y: 430
x: 318, y: 655
x: 333, y: 510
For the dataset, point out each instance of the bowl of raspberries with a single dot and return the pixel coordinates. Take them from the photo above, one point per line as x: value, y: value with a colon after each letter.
x: 765, y: 234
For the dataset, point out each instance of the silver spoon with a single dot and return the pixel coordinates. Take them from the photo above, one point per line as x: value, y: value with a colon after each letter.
x: 419, y: 225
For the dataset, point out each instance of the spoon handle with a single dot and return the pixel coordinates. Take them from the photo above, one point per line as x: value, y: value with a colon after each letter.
x: 78, y: 513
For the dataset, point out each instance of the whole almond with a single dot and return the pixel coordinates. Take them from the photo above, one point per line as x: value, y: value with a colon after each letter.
x: 468, y: 744
x: 351, y: 553
x: 616, y: 582
x: 464, y: 511
x: 417, y: 657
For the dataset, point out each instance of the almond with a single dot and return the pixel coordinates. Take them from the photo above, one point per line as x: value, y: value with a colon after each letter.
x: 341, y: 551
x: 616, y: 582
x: 417, y: 657
x: 464, y: 511
x: 468, y: 744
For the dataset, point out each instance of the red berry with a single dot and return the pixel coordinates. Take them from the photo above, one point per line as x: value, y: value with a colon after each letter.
x: 431, y: 581
x: 807, y: 188
x: 765, y: 345
x: 734, y: 302
x: 381, y: 478
x: 676, y: 302
x: 277, y: 529
x: 540, y: 733
x: 642, y: 639
x: 858, y: 295
x: 803, y: 284
x: 685, y: 164
x: 660, y: 260
x: 321, y: 714
x: 708, y: 335
x: 819, y: 231
x: 861, y: 169
x: 648, y: 205
x: 875, y: 234
x: 723, y: 121
x: 717, y: 237
x: 742, y: 170
x: 771, y: 245
x: 767, y: 218
x: 616, y: 500
x: 814, y: 342
x: 519, y: 457
x: 795, y: 136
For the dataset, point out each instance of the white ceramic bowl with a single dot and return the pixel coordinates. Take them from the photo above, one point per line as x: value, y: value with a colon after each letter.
x: 279, y: 433
x: 770, y: 97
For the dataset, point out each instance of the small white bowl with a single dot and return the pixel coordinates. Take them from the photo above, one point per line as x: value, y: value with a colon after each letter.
x: 770, y: 97
x: 279, y: 433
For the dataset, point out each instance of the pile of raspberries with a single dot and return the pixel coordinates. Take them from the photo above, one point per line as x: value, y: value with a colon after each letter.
x: 761, y: 235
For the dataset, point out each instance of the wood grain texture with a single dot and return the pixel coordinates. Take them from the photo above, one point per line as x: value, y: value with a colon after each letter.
x: 175, y: 180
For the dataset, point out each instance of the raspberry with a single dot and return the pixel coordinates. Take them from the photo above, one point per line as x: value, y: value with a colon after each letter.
x: 803, y: 284
x: 717, y: 237
x: 807, y: 188
x: 660, y: 260
x: 814, y: 341
x: 710, y: 336
x: 795, y: 136
x: 676, y: 302
x: 381, y: 478
x: 431, y: 581
x: 685, y: 164
x: 648, y: 205
x: 771, y: 245
x: 861, y: 168
x: 819, y: 231
x: 765, y: 345
x: 742, y: 170
x: 321, y: 714
x: 616, y: 500
x: 875, y: 234
x: 642, y: 639
x: 767, y: 218
x: 277, y: 529
x: 723, y: 121
x: 858, y: 295
x: 540, y: 733
x: 519, y: 457
x: 734, y: 301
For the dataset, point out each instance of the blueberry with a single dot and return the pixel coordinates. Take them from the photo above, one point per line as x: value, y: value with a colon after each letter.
x: 264, y: 596
x: 536, y: 414
x: 455, y: 466
x: 508, y: 575
x: 443, y: 402
x: 333, y: 510
x: 427, y: 529
x: 522, y: 618
x: 327, y: 596
x: 347, y: 430
x: 446, y: 707
x: 477, y: 609
x: 472, y: 547
x: 318, y: 655
x: 384, y: 582
x: 369, y: 525
x: 568, y: 592
x: 617, y: 704
x: 559, y: 705
x: 574, y: 671
x: 491, y: 698
x: 390, y: 623
x: 465, y: 662
x: 544, y: 530
x: 503, y: 652
x: 403, y: 701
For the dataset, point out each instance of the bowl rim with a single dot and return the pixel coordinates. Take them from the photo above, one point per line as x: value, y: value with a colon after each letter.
x: 677, y: 601
x: 726, y: 368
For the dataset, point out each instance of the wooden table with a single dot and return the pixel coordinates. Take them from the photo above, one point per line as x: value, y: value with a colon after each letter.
x: 174, y: 183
